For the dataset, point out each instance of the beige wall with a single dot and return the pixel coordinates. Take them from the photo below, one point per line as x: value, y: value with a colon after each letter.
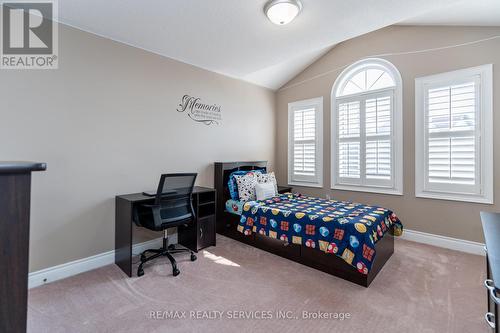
x: 448, y: 218
x: 106, y: 124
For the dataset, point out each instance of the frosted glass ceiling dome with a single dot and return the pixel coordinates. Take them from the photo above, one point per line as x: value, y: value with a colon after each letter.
x: 282, y: 12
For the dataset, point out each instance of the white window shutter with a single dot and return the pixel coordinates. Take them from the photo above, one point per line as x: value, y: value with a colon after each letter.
x: 367, y: 128
x: 451, y: 134
x: 305, y: 142
x: 349, y: 120
x: 454, y: 144
x: 378, y: 120
x: 349, y: 146
x: 349, y: 160
x: 365, y: 136
x: 378, y: 159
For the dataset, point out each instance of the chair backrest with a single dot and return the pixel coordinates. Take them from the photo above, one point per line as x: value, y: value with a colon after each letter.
x: 174, y: 196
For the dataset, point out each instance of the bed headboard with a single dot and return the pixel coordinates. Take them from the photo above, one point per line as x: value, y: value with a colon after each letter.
x: 222, y: 170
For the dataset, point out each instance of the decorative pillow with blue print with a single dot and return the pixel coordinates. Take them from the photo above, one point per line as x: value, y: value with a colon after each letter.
x: 246, y: 186
x: 233, y: 186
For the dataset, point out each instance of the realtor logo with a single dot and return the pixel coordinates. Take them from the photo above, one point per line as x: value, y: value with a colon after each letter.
x: 29, y: 35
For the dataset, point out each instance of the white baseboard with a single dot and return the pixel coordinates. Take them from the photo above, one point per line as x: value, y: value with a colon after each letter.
x: 68, y: 269
x: 59, y: 272
x: 456, y: 244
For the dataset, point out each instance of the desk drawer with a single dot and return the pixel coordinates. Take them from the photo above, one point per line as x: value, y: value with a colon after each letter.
x: 491, y: 317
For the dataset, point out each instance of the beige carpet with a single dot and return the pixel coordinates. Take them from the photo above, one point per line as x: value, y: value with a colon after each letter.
x: 421, y: 289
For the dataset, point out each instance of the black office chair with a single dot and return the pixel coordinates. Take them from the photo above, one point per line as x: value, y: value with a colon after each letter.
x: 172, y: 208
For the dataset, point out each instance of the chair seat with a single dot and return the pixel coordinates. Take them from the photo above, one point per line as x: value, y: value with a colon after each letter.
x: 146, y: 217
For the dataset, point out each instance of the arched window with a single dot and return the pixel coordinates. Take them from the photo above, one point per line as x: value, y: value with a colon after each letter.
x: 367, y: 128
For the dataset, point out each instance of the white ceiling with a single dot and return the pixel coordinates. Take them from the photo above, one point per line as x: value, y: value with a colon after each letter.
x: 235, y: 38
x: 466, y: 12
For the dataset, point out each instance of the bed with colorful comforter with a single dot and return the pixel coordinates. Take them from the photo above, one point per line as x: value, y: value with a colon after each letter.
x: 346, y: 229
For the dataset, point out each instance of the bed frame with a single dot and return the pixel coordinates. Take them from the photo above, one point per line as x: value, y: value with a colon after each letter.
x: 332, y: 264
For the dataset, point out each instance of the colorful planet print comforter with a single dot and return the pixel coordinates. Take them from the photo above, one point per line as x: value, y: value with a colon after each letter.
x: 346, y: 229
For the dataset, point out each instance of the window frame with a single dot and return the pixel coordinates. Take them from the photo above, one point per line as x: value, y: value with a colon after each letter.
x: 396, y: 136
x: 483, y: 136
x: 317, y: 104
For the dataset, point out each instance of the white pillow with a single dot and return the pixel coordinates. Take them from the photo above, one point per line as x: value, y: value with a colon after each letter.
x: 268, y: 178
x: 265, y: 191
x: 246, y: 186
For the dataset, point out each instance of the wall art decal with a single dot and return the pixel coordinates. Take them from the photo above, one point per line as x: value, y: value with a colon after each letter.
x: 207, y: 114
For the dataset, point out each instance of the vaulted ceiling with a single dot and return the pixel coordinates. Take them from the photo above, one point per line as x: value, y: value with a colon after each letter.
x: 234, y: 37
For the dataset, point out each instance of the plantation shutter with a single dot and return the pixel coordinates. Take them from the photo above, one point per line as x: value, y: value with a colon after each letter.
x: 367, y: 121
x: 349, y: 138
x: 378, y: 119
x: 452, y: 136
x: 305, y: 142
x: 304, y: 125
x: 365, y: 140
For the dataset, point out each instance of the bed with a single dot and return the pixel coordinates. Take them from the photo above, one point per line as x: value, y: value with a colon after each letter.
x: 349, y: 240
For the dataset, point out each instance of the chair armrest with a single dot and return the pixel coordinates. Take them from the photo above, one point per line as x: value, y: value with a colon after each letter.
x: 150, y: 206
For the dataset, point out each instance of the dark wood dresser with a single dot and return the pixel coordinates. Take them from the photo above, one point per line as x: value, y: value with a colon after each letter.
x: 491, y: 229
x: 15, y: 192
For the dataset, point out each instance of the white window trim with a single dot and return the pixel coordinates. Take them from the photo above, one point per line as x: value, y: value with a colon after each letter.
x: 397, y: 127
x: 486, y: 134
x: 318, y: 104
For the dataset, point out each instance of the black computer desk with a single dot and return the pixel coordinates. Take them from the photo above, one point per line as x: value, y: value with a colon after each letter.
x: 198, y: 235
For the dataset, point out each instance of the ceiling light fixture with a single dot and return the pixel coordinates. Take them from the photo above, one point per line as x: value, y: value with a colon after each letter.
x: 281, y: 12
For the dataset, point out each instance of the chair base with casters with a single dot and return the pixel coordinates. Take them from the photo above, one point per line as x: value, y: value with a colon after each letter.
x: 165, y: 251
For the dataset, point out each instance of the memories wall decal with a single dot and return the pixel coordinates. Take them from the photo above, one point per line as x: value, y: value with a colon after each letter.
x: 200, y: 112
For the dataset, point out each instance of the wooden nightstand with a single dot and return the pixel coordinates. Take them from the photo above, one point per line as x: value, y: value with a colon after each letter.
x: 284, y: 189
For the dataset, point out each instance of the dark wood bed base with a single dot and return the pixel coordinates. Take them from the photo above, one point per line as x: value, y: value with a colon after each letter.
x: 334, y: 265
